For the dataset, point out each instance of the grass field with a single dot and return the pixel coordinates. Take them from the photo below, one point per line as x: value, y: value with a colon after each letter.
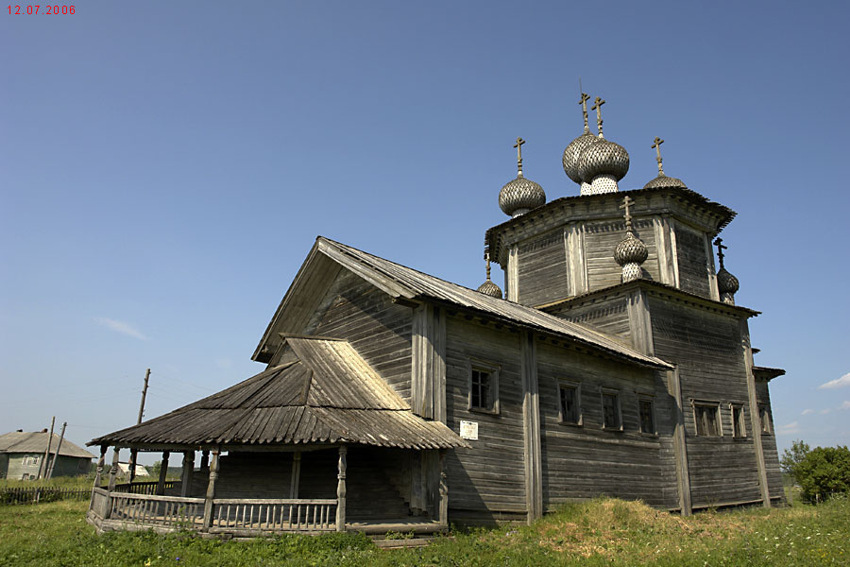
x: 601, y: 532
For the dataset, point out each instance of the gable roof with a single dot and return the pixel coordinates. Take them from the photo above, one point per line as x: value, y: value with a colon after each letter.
x: 329, y: 394
x: 36, y: 442
x: 401, y: 282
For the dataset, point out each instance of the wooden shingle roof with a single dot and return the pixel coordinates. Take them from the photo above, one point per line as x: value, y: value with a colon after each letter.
x: 328, y: 395
x: 36, y: 442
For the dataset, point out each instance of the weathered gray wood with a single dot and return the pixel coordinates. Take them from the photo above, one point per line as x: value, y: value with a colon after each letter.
x: 667, y: 272
x: 575, y: 259
x: 113, y: 471
x: 443, y: 514
x: 163, y: 471
x: 100, y: 462
x: 640, y: 323
x: 42, y: 469
x: 428, y: 365
x: 542, y: 270
x: 531, y: 428
x: 186, y: 476
x: 512, y: 276
x: 754, y: 413
x: 341, y: 489
x: 210, y: 496
x: 295, y: 475
x: 683, y: 481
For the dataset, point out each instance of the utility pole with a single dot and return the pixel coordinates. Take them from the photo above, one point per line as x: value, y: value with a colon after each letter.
x: 58, y: 448
x: 42, y: 470
x: 134, y: 453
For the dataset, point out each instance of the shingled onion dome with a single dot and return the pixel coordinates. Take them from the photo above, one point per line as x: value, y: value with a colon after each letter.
x: 662, y: 181
x: 631, y: 252
x: 574, y: 149
x: 603, y: 163
x: 727, y: 284
x: 488, y: 287
x: 520, y: 195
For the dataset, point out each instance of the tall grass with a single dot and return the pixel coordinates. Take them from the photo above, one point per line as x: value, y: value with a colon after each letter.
x: 601, y: 532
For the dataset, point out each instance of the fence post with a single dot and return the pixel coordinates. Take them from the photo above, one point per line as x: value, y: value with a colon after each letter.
x: 112, y: 472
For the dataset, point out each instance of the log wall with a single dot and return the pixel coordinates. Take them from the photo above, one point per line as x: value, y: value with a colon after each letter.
x: 768, y: 441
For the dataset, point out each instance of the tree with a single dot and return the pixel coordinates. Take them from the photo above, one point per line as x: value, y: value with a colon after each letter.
x: 823, y: 472
x: 792, y: 457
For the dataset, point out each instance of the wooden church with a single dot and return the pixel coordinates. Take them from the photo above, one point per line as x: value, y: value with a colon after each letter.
x: 615, y: 363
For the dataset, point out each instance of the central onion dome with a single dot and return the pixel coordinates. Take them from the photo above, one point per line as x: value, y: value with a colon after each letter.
x: 520, y: 195
x: 572, y: 153
x: 603, y: 158
x: 662, y: 181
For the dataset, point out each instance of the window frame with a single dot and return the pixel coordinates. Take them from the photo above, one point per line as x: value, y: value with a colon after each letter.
x: 606, y: 392
x: 739, y: 420
x: 714, y: 407
x: 492, y: 370
x: 576, y: 387
x: 650, y: 399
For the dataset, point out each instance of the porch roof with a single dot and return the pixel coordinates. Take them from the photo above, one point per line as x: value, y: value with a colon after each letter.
x: 327, y: 394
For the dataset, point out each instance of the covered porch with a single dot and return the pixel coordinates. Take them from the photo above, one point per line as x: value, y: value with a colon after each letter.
x: 301, y: 447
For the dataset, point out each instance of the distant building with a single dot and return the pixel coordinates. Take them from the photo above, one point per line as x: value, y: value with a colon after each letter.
x: 21, y: 456
x: 124, y: 471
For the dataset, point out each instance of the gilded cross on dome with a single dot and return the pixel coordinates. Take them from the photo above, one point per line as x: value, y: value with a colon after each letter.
x: 627, y: 202
x: 518, y: 146
x: 597, y: 106
x: 720, y: 248
x: 657, y: 147
x: 583, y: 102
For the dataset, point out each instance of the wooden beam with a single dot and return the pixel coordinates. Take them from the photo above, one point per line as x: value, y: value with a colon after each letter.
x: 755, y: 418
x: 640, y: 322
x: 116, y: 452
x: 680, y: 447
x: 163, y: 470
x: 100, y: 462
x: 531, y: 428
x: 342, y: 465
x: 443, y: 515
x: 188, y: 469
x: 428, y: 365
x: 208, y: 502
x: 295, y: 479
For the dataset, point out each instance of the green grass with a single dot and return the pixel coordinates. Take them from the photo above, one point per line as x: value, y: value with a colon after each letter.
x: 601, y: 532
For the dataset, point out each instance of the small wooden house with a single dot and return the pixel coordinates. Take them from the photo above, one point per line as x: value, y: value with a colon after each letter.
x: 617, y: 363
x: 22, y: 456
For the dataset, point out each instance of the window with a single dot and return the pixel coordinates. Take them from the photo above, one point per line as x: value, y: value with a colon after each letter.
x: 646, y: 413
x: 569, y: 400
x: 707, y: 421
x: 31, y: 460
x: 484, y: 388
x: 739, y: 427
x: 764, y: 417
x: 611, y: 416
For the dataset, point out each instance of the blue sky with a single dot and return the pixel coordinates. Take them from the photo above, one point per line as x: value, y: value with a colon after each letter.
x: 167, y: 166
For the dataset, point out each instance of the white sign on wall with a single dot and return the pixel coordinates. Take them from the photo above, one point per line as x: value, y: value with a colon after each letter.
x: 469, y: 430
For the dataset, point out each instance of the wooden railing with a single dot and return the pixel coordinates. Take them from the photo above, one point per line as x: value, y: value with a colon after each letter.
x: 99, y: 502
x: 151, y: 510
x: 274, y: 515
x: 143, y: 487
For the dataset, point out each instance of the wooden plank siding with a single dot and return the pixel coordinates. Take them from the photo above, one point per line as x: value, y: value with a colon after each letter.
x: 693, y: 261
x: 586, y: 461
x: 768, y: 442
x: 608, y: 314
x: 707, y: 347
x: 378, y: 329
x: 542, y: 269
x: 600, y: 242
x: 487, y: 480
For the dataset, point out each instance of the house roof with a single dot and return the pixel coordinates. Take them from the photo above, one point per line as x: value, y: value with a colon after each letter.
x: 402, y: 282
x: 328, y: 394
x: 36, y: 442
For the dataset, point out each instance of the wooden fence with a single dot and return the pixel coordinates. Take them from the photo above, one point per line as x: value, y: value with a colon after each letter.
x: 34, y: 495
x: 274, y: 515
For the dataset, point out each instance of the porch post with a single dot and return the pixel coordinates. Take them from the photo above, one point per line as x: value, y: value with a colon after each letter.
x: 296, y: 475
x: 163, y: 470
x: 444, y: 491
x: 188, y: 468
x: 114, y: 470
x: 340, y: 489
x: 208, y: 503
x: 133, y: 456
x: 99, y: 471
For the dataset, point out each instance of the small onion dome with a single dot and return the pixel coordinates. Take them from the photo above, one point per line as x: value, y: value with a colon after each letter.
x: 603, y: 158
x: 491, y: 289
x: 631, y: 250
x: 726, y: 282
x: 520, y: 196
x: 572, y: 153
x: 664, y: 182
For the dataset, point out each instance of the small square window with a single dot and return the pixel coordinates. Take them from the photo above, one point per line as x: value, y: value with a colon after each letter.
x: 611, y: 416
x: 764, y: 417
x: 707, y: 420
x: 570, y: 410
x: 739, y: 426
x: 484, y: 388
x: 646, y: 412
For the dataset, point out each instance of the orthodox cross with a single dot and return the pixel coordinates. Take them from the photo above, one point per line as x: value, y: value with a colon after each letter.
x: 627, y: 202
x: 720, y: 248
x: 583, y: 102
x: 487, y: 257
x: 597, y: 106
x: 657, y: 147
x: 518, y: 146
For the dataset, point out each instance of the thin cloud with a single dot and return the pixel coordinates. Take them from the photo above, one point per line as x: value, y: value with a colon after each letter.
x: 846, y: 404
x: 843, y: 382
x: 120, y: 327
x: 824, y: 411
x: 788, y: 429
x: 807, y: 411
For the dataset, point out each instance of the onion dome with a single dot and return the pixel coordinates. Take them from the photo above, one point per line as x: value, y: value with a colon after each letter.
x: 574, y: 148
x: 631, y: 252
x: 603, y: 158
x: 662, y: 181
x: 488, y: 287
x: 520, y: 195
x: 727, y: 284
